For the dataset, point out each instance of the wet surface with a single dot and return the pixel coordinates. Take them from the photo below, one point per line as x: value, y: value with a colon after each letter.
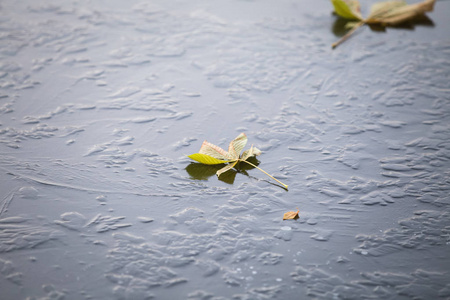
x: 101, y: 101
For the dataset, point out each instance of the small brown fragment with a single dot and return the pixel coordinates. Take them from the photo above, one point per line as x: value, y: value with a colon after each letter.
x: 291, y: 215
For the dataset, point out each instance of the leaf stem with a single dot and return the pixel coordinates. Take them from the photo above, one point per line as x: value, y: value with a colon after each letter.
x: 284, y: 185
x: 347, y: 35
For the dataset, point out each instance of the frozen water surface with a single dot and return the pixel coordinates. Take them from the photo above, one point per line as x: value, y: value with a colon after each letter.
x: 101, y: 100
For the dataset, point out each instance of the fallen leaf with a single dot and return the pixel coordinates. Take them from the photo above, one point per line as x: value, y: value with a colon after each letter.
x: 210, y: 154
x: 348, y: 9
x: 291, y: 215
x: 206, y: 159
x: 392, y: 13
x: 251, y: 152
x: 388, y: 13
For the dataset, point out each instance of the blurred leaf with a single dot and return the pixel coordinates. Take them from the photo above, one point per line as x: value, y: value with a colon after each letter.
x: 381, y: 8
x: 347, y: 9
x: 391, y: 13
x: 388, y: 13
x: 339, y: 27
x: 351, y: 24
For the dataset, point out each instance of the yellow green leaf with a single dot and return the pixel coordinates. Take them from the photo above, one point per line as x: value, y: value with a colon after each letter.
x: 347, y: 9
x: 206, y: 159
